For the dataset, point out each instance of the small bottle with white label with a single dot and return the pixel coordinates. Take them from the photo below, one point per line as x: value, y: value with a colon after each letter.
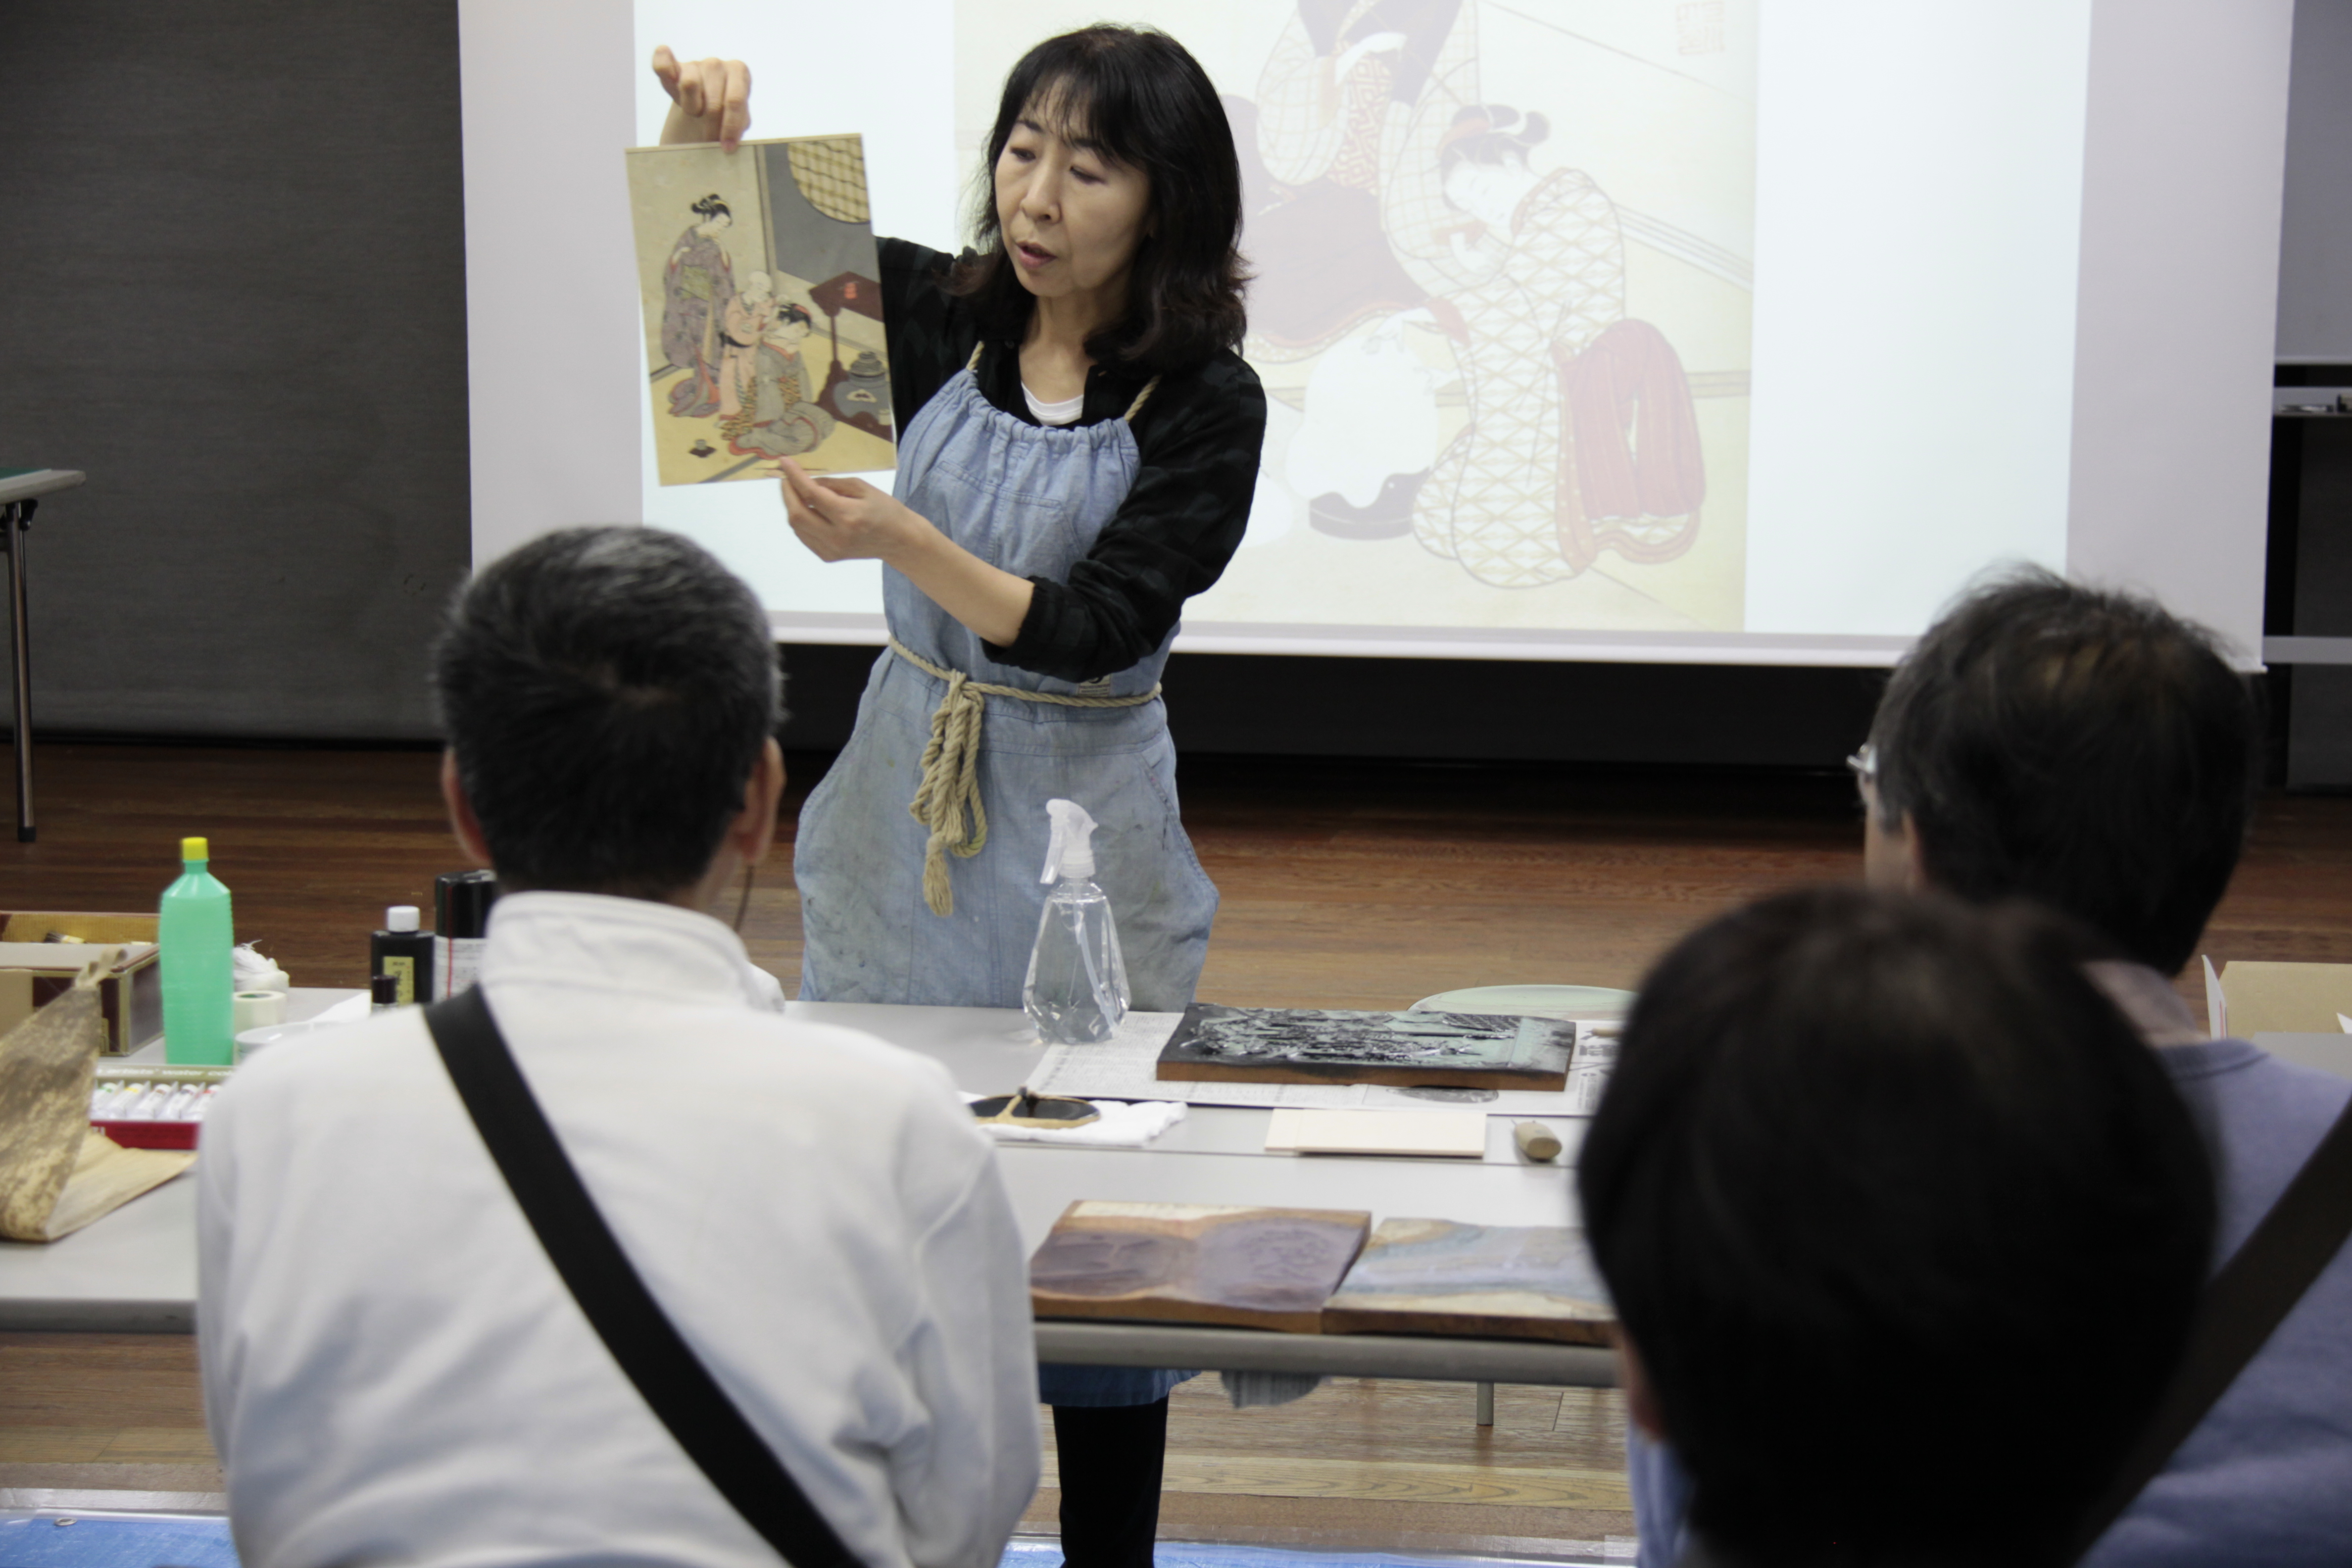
x: 461, y: 907
x: 405, y: 953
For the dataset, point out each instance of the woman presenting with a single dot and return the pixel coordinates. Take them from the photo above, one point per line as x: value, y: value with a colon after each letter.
x: 1079, y: 446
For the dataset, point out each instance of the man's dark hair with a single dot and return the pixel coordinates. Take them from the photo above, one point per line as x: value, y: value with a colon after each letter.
x: 1904, y: 1221
x: 606, y: 692
x: 1141, y: 99
x: 2083, y: 748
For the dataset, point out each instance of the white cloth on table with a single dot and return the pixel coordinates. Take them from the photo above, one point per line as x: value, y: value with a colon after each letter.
x: 1123, y: 1124
x: 394, y: 1370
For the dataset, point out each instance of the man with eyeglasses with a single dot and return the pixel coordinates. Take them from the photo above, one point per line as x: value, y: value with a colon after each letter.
x: 2091, y: 752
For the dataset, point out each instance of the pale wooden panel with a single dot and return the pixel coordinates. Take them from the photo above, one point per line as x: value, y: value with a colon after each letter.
x: 53, y: 1445
x: 1300, y: 1476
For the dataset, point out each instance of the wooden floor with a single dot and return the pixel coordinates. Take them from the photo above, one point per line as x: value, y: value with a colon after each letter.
x: 1361, y: 885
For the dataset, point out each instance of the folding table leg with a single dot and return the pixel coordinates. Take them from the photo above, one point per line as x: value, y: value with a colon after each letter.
x: 15, y: 522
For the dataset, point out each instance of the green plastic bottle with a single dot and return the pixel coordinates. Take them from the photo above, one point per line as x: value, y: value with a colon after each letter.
x: 197, y: 937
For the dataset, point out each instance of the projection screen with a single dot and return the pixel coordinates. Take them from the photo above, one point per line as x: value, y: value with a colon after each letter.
x: 1776, y: 324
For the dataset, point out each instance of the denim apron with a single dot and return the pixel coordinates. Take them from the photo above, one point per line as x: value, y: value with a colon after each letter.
x: 1030, y: 500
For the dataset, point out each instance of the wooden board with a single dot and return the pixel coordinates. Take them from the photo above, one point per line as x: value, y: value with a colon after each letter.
x: 1512, y: 1282
x: 1450, y: 1134
x: 1194, y: 1263
x: 1413, y: 1050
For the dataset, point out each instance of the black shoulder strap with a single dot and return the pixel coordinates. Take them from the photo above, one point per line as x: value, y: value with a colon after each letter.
x: 2245, y: 1302
x: 625, y: 1314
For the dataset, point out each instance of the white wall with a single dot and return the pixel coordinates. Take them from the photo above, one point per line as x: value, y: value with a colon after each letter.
x: 551, y: 327
x: 2182, y: 173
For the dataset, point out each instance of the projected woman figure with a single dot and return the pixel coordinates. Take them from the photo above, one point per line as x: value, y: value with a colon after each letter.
x: 698, y: 282
x: 1313, y: 163
x: 1581, y: 436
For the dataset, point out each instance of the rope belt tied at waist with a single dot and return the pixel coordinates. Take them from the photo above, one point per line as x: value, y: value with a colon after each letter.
x: 946, y: 803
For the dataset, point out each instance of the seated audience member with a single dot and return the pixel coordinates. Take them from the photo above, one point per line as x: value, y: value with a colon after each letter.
x: 2090, y: 751
x: 395, y: 1373
x: 1905, y: 1227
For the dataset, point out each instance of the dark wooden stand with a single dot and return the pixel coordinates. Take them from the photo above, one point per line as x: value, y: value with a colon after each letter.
x: 18, y: 500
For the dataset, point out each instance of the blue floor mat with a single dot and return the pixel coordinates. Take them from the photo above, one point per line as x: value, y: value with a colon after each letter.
x: 84, y: 1541
x: 193, y: 1540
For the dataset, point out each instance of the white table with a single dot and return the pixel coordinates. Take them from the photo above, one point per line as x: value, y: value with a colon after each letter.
x: 136, y: 1270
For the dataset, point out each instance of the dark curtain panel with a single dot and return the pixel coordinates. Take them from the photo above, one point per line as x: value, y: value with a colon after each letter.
x: 232, y: 289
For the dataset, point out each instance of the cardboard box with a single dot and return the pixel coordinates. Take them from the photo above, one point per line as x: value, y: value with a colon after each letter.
x: 34, y: 969
x: 2286, y: 998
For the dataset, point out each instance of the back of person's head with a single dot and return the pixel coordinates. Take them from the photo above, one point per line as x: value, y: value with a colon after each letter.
x: 607, y: 692
x: 2083, y: 748
x: 1903, y: 1223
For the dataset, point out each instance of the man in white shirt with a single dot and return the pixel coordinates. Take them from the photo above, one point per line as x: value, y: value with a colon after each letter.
x: 394, y: 1370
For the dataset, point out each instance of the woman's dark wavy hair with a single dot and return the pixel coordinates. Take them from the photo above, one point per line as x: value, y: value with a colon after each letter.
x: 1143, y: 100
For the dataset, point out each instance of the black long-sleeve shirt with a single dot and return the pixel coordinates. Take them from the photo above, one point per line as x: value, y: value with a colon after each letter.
x: 1197, y: 439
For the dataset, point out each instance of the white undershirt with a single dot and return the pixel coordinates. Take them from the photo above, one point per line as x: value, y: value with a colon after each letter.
x: 1063, y: 413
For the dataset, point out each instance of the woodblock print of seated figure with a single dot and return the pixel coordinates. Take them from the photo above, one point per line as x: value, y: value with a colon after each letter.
x: 777, y: 419
x: 1517, y: 498
x: 697, y: 286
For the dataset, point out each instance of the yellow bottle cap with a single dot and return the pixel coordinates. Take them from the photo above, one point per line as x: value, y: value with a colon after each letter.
x: 196, y: 849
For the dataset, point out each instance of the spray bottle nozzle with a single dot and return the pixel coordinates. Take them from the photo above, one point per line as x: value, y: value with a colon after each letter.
x: 1071, y: 850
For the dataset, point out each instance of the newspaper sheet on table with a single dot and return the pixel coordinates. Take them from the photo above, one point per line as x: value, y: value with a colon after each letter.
x: 1126, y: 1066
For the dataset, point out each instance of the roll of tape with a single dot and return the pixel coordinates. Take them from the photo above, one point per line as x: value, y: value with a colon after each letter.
x: 258, y: 1009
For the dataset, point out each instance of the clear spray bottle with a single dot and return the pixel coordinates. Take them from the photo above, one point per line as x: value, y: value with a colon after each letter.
x: 1076, y: 990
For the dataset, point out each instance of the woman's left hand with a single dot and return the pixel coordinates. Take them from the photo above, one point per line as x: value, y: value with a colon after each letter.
x: 846, y: 520
x: 849, y: 520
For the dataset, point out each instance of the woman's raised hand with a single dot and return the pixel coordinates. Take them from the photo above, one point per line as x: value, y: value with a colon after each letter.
x: 709, y: 100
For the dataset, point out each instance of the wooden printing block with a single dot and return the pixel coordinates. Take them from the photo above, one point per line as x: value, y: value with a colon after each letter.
x: 1188, y: 1263
x: 1410, y: 1050
x: 1510, y: 1282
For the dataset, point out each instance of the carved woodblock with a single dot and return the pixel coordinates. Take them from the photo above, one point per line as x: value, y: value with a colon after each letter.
x: 1188, y: 1263
x: 1413, y: 1050
x: 1510, y: 1282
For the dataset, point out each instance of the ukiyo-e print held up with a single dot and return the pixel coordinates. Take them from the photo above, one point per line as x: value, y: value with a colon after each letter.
x: 763, y: 309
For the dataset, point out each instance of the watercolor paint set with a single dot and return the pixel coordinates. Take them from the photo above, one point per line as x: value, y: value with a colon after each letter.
x: 153, y: 1107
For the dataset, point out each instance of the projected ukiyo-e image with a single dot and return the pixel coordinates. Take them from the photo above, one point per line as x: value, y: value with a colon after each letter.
x: 1501, y: 309
x: 764, y: 311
